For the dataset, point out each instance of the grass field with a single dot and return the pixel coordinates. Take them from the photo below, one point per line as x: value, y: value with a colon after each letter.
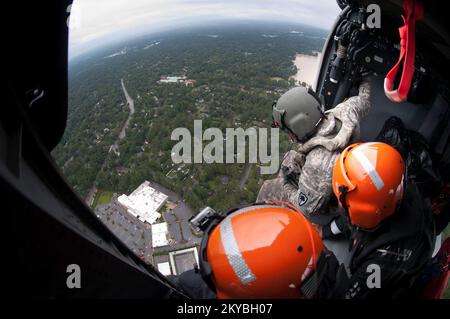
x: 102, y: 198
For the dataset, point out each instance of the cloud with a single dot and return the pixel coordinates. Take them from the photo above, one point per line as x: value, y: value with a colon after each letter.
x: 92, y: 22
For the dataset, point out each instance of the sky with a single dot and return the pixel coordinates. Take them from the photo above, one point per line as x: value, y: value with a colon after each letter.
x: 96, y: 22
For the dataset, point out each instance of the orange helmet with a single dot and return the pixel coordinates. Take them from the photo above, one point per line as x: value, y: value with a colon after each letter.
x: 368, y: 182
x: 261, y: 251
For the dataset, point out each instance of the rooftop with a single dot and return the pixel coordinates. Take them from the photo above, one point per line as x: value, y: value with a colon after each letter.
x: 160, y: 235
x: 183, y: 260
x: 164, y: 268
x: 144, y: 202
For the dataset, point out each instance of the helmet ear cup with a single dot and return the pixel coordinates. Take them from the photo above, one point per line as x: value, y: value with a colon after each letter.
x: 362, y: 212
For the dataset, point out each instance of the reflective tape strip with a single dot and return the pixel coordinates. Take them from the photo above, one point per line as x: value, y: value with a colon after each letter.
x: 368, y: 167
x: 233, y: 253
x: 334, y: 228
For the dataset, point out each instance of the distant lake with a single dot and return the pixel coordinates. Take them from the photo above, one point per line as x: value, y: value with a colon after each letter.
x: 307, y: 66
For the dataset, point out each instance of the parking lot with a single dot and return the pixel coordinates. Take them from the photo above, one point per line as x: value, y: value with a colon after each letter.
x: 137, y: 235
x: 131, y: 231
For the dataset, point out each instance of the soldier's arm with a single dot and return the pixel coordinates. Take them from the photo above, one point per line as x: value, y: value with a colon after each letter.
x: 291, y: 165
x: 349, y: 113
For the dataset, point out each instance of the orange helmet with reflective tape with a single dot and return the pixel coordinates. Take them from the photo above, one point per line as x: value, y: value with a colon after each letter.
x: 262, y: 251
x: 368, y: 180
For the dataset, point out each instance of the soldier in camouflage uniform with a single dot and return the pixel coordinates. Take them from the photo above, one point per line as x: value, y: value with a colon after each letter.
x: 305, y: 175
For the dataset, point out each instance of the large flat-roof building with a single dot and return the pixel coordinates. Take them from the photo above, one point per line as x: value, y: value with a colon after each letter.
x: 144, y: 202
x: 154, y: 223
x: 160, y: 235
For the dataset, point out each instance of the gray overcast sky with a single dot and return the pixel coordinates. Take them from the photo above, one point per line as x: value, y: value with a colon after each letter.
x: 95, y: 21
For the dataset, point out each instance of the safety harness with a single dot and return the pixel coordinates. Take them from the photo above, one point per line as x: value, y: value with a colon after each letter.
x: 413, y: 12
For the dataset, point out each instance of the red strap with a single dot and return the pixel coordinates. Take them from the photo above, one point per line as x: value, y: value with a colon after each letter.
x: 435, y: 288
x: 414, y: 12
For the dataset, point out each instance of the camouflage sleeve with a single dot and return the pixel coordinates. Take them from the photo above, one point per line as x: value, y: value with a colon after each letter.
x: 284, y: 187
x: 314, y: 185
x: 350, y: 113
x: 313, y: 190
x: 277, y: 189
x: 292, y: 164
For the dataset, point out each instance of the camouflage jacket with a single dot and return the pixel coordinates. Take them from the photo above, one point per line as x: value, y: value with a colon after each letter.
x: 305, y: 175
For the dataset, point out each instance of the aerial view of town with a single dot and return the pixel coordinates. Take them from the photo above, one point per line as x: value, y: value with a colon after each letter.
x: 124, y: 102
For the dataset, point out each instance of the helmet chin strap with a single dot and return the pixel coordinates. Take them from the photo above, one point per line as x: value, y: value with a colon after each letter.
x: 343, y: 190
x: 293, y: 137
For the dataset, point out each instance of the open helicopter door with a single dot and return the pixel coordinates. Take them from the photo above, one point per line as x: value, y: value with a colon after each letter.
x: 50, y: 234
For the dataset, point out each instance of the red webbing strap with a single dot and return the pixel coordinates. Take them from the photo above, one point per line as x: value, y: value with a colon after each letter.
x: 413, y: 12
